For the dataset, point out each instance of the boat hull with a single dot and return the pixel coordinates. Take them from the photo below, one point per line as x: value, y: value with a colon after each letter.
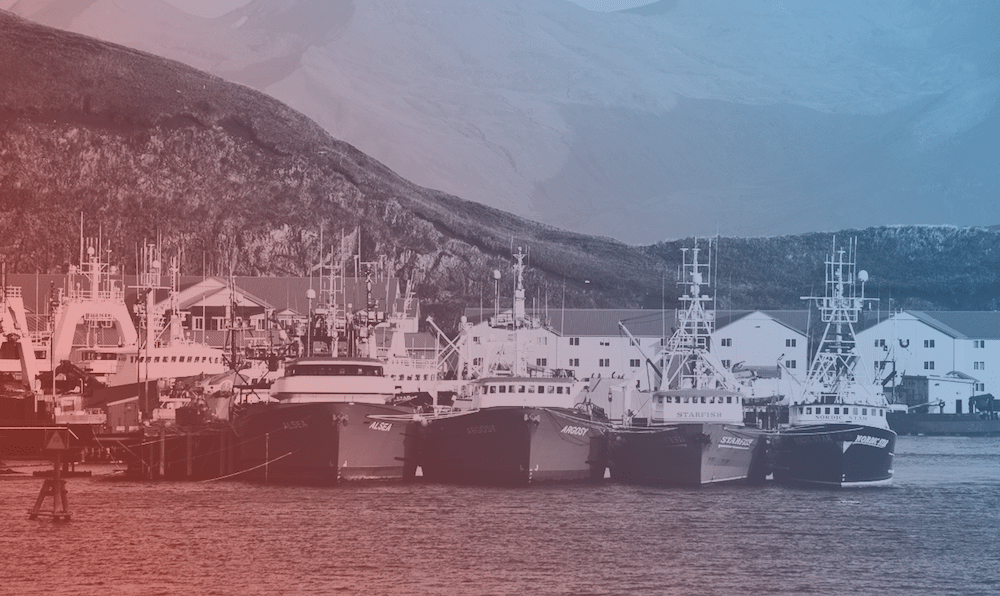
x: 513, y: 445
x: 324, y: 443
x: 686, y: 454
x: 835, y: 455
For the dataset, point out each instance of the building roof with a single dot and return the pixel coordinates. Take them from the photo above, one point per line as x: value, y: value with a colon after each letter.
x: 796, y: 320
x: 962, y: 324
x: 594, y: 322
x: 279, y: 293
x: 598, y: 322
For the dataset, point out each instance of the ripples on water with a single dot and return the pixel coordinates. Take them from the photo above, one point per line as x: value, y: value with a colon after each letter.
x: 934, y: 532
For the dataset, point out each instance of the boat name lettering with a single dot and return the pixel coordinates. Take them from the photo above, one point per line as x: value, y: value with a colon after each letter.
x: 735, y: 441
x: 699, y: 414
x: 293, y: 424
x: 481, y: 429
x: 872, y: 441
x: 382, y: 426
x: 578, y: 431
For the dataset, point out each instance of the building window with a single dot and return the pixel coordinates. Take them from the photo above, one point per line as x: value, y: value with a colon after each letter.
x: 979, y: 365
x: 574, y: 362
x: 726, y: 364
x: 477, y: 362
x: 541, y: 361
x: 879, y: 343
x: 790, y: 343
x: 604, y: 362
x: 980, y: 387
x: 198, y: 323
x: 928, y: 343
x: 789, y: 364
x: 979, y: 343
x: 574, y: 341
x: 929, y: 365
x: 543, y: 341
x: 727, y: 342
x: 634, y: 363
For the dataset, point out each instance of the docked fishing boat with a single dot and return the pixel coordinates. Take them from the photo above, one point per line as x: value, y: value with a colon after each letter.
x: 326, y: 426
x: 516, y: 430
x: 335, y: 414
x: 838, y: 433
x: 690, y: 431
x: 513, y: 425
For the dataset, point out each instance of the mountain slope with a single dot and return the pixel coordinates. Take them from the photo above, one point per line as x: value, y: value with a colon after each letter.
x: 674, y: 118
x: 236, y: 181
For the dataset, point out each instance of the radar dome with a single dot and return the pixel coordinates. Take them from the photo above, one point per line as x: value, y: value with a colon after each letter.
x: 862, y: 276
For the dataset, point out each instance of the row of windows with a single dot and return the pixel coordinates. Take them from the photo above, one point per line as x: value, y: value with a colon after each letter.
x: 836, y: 410
x: 678, y: 399
x: 557, y: 389
x: 727, y: 342
x: 424, y: 377
x: 329, y: 370
x: 574, y: 362
x: 929, y: 343
x: 157, y: 359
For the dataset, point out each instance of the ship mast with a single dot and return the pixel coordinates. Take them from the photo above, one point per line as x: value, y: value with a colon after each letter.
x: 832, y: 372
x: 688, y: 362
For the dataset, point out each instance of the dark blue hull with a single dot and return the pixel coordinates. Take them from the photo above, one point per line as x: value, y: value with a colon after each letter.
x: 836, y: 455
x: 685, y: 454
x: 324, y: 443
x: 514, y: 446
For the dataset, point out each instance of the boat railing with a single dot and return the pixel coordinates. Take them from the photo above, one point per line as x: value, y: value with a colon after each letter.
x: 398, y: 362
x: 113, y: 295
x: 13, y: 292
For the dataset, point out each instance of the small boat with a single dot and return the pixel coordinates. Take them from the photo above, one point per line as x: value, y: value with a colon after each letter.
x: 690, y: 431
x: 838, y: 432
x: 520, y: 425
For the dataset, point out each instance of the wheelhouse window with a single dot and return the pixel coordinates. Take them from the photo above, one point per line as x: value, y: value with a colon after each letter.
x: 334, y: 370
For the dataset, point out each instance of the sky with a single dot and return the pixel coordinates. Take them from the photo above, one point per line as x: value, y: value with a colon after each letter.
x: 677, y: 118
x: 216, y: 8
x: 208, y: 8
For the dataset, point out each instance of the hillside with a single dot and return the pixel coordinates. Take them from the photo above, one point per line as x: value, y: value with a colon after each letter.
x: 680, y: 117
x: 237, y: 182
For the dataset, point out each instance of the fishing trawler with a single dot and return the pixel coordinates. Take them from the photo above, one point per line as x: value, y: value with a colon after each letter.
x: 514, y: 425
x: 838, y: 434
x: 690, y: 431
x: 335, y: 415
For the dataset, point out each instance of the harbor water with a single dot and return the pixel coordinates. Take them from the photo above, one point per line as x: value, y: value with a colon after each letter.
x: 933, y: 532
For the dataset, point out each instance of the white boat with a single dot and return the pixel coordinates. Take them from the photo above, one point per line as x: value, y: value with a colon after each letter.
x: 690, y: 431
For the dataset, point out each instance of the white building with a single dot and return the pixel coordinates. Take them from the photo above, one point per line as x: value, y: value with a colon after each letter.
x: 591, y: 343
x: 936, y: 344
